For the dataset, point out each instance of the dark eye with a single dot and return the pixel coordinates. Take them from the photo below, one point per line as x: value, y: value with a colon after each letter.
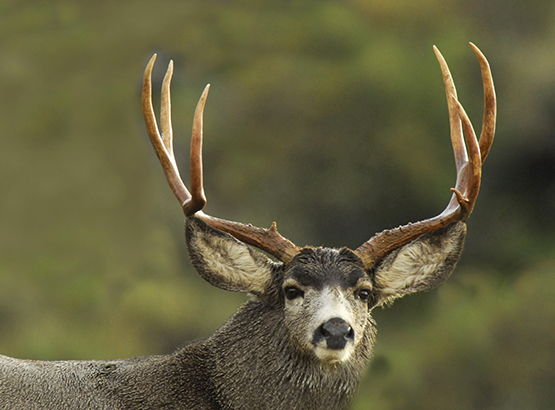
x: 364, y: 295
x: 291, y: 292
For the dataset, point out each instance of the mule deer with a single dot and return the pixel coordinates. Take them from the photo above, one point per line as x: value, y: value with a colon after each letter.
x: 305, y: 336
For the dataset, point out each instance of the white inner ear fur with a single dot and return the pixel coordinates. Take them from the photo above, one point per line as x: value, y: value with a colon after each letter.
x: 234, y: 263
x: 413, y: 266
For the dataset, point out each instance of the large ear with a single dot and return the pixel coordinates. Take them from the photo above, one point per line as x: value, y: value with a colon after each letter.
x: 226, y: 262
x: 420, y: 265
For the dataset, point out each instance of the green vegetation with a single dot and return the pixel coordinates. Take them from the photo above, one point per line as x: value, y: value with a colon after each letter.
x: 326, y: 116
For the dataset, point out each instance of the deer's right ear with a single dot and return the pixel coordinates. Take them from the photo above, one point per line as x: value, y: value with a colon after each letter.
x: 226, y: 262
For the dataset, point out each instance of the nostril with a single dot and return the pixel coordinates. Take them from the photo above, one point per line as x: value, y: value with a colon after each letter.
x: 330, y: 329
x: 336, y: 332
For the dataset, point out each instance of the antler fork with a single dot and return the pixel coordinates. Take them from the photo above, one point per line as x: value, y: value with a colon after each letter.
x: 468, y: 164
x: 193, y: 202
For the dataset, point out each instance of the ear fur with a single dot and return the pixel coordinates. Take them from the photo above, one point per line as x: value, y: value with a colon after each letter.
x: 226, y: 262
x: 420, y: 265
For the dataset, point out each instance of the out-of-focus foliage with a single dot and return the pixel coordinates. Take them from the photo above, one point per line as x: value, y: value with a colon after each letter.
x: 483, y: 343
x: 327, y: 116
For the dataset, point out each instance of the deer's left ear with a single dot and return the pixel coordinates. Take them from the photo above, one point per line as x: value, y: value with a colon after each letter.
x: 420, y: 265
x: 226, y: 262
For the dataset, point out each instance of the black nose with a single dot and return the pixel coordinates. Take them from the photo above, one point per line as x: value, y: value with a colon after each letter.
x: 336, y: 332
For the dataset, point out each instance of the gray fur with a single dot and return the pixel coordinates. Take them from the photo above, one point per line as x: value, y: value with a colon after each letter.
x: 262, y: 357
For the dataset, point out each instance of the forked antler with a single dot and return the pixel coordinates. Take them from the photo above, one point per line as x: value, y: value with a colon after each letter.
x: 268, y: 240
x: 468, y: 163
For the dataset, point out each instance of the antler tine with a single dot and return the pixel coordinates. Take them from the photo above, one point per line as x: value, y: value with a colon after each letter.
x: 268, y: 240
x: 165, y: 112
x: 490, y: 106
x: 457, y: 139
x: 162, y: 146
x: 468, y: 164
x: 469, y: 174
x: 198, y: 198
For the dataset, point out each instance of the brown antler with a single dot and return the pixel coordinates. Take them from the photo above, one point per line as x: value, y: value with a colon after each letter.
x: 269, y: 240
x: 469, y: 158
x: 468, y: 163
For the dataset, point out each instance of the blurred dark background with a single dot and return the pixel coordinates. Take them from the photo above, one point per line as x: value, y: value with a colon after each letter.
x: 326, y: 116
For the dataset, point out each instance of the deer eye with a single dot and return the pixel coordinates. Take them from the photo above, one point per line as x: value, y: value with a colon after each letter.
x: 291, y: 292
x: 364, y: 295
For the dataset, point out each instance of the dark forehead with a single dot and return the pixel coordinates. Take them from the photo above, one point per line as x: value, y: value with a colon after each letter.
x: 320, y: 267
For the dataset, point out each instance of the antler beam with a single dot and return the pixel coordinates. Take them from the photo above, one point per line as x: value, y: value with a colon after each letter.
x: 469, y: 158
x: 268, y: 240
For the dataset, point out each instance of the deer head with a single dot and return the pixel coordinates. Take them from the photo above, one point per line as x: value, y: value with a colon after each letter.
x: 324, y: 296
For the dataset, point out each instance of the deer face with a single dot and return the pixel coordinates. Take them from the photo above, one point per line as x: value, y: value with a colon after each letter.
x: 327, y: 298
x: 324, y: 295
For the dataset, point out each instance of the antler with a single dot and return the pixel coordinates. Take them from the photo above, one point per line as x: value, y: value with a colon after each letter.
x: 469, y: 158
x: 468, y: 162
x: 268, y: 240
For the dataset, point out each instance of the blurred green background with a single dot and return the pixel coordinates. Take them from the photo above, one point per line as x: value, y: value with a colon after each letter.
x: 326, y: 116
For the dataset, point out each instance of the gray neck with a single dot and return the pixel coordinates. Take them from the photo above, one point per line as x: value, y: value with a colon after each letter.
x: 254, y: 365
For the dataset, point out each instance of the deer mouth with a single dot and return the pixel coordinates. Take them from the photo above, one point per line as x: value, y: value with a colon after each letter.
x: 333, y: 356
